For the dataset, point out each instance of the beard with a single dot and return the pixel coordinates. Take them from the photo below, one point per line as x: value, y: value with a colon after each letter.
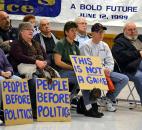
x: 134, y: 37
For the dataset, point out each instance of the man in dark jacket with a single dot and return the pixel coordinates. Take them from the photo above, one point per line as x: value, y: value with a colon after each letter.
x: 127, y: 51
x: 46, y: 39
x: 7, y: 33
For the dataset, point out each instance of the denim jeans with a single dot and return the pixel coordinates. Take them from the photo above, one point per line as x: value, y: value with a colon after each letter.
x: 14, y: 77
x: 137, y: 79
x: 119, y: 80
x: 73, y: 83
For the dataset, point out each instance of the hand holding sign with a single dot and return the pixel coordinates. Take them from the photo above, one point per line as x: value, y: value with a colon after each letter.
x: 89, y: 72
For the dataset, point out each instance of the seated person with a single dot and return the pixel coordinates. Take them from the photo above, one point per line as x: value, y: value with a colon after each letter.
x: 32, y: 19
x: 81, y: 30
x: 6, y: 72
x: 127, y: 51
x: 96, y: 47
x: 7, y: 32
x: 65, y: 47
x: 46, y: 38
x: 25, y: 52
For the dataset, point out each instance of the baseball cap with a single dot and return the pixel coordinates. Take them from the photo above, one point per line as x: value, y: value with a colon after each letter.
x: 97, y: 27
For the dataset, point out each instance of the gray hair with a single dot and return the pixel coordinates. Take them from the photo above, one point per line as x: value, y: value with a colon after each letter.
x: 25, y: 25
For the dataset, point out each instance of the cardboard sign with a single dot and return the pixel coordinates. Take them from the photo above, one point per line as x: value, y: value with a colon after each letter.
x: 89, y: 72
x: 53, y: 100
x: 16, y: 102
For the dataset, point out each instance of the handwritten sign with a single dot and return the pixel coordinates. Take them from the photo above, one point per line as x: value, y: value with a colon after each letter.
x: 16, y: 102
x: 89, y: 72
x: 53, y: 100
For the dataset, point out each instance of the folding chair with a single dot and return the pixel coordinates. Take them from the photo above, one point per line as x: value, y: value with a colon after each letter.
x: 131, y: 89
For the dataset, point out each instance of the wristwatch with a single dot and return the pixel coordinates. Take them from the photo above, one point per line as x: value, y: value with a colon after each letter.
x: 10, y: 41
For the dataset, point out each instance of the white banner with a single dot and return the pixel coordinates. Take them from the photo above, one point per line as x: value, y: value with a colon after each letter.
x: 108, y: 12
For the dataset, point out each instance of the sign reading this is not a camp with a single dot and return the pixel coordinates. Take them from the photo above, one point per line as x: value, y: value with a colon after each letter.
x: 53, y: 100
x: 16, y: 102
x: 89, y: 72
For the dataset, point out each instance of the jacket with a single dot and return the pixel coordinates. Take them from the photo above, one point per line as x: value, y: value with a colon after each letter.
x: 125, y: 54
x: 21, y: 52
x: 4, y: 63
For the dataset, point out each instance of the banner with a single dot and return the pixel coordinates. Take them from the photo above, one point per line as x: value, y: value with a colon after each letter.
x: 108, y: 12
x: 89, y: 72
x: 16, y: 102
x: 53, y: 100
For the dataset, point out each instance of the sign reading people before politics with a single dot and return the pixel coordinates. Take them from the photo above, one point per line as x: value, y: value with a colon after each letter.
x: 16, y: 102
x: 53, y: 100
x: 89, y: 72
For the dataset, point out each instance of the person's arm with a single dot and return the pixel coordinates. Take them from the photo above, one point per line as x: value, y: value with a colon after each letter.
x: 7, y: 70
x: 16, y: 52
x: 108, y: 60
x: 60, y: 63
x: 122, y: 50
x: 5, y: 46
x: 58, y: 55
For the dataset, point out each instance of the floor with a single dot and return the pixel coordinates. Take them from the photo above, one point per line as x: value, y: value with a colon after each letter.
x: 122, y: 119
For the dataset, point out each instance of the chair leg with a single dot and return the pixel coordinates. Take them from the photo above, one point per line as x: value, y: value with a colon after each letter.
x: 133, y: 98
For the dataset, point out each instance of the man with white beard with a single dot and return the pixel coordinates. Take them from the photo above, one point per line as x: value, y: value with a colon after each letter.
x: 127, y: 51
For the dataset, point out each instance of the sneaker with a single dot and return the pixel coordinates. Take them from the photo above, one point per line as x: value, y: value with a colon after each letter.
x: 1, y: 122
x: 102, y: 101
x: 109, y: 106
x: 92, y: 113
x: 107, y: 103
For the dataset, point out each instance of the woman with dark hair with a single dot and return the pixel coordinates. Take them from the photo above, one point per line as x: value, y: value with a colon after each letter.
x: 64, y: 48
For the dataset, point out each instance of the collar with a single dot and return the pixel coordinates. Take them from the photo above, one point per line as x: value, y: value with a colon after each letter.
x: 83, y: 36
x: 45, y: 35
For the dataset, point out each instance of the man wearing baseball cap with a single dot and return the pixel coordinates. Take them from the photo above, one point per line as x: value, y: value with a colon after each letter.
x: 96, y: 47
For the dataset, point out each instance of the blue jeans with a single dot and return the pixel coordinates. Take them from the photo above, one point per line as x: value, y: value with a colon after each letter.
x: 137, y: 79
x: 119, y: 80
x: 73, y: 83
x: 14, y: 77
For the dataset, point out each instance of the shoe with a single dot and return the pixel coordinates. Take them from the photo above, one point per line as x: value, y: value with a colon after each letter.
x: 107, y: 103
x: 1, y: 122
x: 92, y: 113
x: 80, y: 106
x: 102, y: 101
x: 95, y: 108
x: 74, y: 102
x: 109, y: 106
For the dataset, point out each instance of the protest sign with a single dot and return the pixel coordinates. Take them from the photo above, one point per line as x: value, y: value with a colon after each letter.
x: 89, y: 72
x: 53, y: 100
x: 16, y: 102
